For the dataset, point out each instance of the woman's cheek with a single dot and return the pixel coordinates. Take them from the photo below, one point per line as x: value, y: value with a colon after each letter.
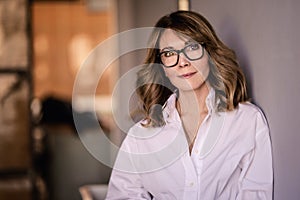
x: 170, y: 73
x: 203, y: 68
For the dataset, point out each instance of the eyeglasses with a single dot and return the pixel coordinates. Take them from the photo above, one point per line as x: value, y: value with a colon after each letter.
x: 170, y: 58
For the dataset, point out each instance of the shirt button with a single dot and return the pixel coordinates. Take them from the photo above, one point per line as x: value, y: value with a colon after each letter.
x: 191, y: 184
x: 196, y: 151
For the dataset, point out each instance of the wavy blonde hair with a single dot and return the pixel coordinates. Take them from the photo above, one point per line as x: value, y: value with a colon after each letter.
x: 225, y: 76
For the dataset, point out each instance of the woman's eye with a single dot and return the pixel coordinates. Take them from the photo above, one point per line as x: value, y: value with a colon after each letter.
x: 169, y: 53
x: 194, y: 47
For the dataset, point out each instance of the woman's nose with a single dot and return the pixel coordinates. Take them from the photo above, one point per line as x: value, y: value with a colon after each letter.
x: 183, y: 61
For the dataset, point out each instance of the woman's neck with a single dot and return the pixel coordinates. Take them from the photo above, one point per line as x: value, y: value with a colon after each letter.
x: 193, y: 101
x: 193, y: 110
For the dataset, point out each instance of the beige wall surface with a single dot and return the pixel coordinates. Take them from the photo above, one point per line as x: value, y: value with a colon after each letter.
x: 265, y: 36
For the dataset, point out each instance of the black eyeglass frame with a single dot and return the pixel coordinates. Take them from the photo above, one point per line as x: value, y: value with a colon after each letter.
x: 178, y: 53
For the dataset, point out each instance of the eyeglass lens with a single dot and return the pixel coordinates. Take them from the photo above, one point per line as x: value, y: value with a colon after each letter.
x: 192, y: 52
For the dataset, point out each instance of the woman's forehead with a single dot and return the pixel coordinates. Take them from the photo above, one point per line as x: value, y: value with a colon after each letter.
x: 171, y: 38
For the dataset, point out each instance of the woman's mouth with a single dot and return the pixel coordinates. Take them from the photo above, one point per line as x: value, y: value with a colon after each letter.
x: 187, y: 75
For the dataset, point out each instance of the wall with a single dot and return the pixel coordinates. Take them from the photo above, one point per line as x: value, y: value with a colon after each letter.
x: 265, y: 36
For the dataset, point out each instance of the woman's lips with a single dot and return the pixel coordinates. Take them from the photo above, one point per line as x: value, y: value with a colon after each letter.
x: 187, y: 75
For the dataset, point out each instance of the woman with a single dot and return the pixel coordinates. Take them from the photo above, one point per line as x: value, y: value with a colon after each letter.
x: 200, y: 137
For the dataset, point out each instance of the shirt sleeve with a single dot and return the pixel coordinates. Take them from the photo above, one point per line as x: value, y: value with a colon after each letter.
x: 126, y: 186
x: 256, y: 180
x: 125, y: 182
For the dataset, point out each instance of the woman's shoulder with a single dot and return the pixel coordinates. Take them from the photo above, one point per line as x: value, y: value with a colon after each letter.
x: 248, y: 113
x: 139, y: 131
x: 252, y: 113
x: 129, y: 142
x: 138, y: 126
x: 249, y: 108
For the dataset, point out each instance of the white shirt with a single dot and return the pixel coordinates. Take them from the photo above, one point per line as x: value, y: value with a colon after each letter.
x: 231, y: 158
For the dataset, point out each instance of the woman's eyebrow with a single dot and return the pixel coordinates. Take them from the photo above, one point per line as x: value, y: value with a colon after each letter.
x: 189, y: 42
x: 167, y: 48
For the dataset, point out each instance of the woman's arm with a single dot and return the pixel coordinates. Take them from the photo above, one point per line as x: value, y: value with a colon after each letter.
x: 256, y: 181
x: 124, y: 185
x: 125, y: 181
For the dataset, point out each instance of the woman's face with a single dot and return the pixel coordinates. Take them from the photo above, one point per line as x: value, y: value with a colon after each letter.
x: 186, y: 74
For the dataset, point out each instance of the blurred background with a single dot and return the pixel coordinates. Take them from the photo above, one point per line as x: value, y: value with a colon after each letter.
x: 43, y: 44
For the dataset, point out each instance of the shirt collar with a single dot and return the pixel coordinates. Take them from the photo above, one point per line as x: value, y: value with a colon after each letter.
x: 210, y: 101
